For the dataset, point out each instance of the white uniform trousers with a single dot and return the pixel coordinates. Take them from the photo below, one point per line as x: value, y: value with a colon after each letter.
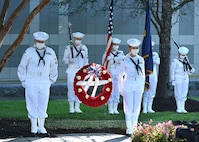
x: 132, y: 106
x: 150, y: 94
x: 37, y: 97
x: 181, y: 87
x: 115, y: 96
x: 70, y: 84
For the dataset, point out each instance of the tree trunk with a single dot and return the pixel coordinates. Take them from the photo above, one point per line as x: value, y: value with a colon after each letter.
x: 165, y: 48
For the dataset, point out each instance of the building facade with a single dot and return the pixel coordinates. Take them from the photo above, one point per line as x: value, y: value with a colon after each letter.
x: 185, y: 31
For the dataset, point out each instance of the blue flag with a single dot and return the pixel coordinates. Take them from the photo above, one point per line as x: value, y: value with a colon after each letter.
x: 147, y: 47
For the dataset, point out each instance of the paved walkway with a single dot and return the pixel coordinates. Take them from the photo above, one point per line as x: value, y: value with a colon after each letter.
x: 81, y: 137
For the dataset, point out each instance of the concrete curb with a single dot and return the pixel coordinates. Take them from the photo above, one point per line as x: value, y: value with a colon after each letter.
x: 81, y: 137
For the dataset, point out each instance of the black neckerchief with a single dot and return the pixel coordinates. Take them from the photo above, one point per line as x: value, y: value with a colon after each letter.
x: 115, y: 55
x: 185, y: 64
x: 41, y: 57
x: 78, y: 52
x: 136, y: 66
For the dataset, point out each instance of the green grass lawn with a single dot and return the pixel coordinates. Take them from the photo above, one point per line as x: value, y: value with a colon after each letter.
x: 60, y: 118
x: 194, y: 98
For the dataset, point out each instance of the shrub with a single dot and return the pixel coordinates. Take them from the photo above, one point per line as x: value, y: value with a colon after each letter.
x: 161, y: 132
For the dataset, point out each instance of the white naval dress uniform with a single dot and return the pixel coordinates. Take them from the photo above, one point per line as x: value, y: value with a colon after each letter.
x: 131, y: 85
x: 74, y: 64
x: 153, y: 79
x: 180, y: 78
x: 114, y: 61
x: 37, y: 76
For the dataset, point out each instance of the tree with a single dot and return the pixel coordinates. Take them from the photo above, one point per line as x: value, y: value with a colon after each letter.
x: 6, y: 25
x: 163, y: 24
x: 161, y: 18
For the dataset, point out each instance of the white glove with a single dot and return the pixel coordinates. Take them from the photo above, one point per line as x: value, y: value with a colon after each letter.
x: 173, y: 83
x: 118, y: 59
x: 192, y: 70
x: 51, y: 82
x: 23, y: 84
x: 110, y: 57
x: 71, y: 60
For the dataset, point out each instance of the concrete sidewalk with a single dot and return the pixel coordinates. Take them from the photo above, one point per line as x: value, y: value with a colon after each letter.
x: 80, y: 137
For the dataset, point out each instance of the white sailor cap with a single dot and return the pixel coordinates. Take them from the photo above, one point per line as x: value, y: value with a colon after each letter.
x: 41, y: 36
x: 116, y: 40
x: 183, y: 50
x: 78, y: 35
x: 133, y: 42
x: 152, y: 43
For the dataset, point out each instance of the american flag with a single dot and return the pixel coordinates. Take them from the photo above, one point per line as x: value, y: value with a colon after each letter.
x: 109, y: 37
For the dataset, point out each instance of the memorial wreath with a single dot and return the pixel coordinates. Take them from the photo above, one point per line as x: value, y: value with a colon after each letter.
x: 93, y: 75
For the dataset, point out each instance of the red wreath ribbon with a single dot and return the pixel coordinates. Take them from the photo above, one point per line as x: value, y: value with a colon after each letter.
x: 100, y: 72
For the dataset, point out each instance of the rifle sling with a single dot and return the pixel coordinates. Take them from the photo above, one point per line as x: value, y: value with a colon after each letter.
x: 185, y: 65
x: 78, y: 52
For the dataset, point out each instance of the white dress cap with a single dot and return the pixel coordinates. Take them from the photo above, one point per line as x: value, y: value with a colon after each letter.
x: 116, y: 40
x: 152, y: 43
x: 133, y: 42
x: 41, y: 36
x: 183, y: 50
x: 78, y: 35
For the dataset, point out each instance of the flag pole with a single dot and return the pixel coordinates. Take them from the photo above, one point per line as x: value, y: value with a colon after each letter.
x: 109, y: 36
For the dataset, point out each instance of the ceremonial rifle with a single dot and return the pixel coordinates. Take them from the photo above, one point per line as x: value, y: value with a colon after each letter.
x: 186, y: 59
x: 71, y: 42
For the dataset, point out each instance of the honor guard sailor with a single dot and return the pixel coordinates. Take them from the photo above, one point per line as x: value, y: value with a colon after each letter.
x: 153, y: 79
x: 131, y: 82
x: 114, y: 60
x: 180, y: 71
x: 75, y: 57
x: 37, y: 71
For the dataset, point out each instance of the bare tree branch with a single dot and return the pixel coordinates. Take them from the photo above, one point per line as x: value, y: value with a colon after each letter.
x: 156, y: 20
x: 181, y: 4
x: 4, y: 12
x: 19, y: 39
x: 7, y: 26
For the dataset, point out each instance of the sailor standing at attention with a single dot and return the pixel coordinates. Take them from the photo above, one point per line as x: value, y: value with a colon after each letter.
x: 180, y: 71
x: 37, y: 71
x: 75, y: 56
x: 153, y: 79
x: 131, y: 82
x: 114, y: 60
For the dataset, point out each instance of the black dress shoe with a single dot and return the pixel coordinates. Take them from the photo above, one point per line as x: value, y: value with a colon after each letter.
x: 43, y: 135
x: 33, y: 134
x: 128, y: 135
